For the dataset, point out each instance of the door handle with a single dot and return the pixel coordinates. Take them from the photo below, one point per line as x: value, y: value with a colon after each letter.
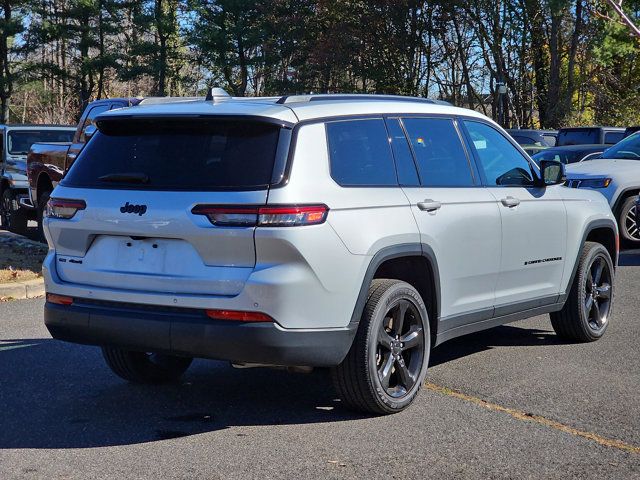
x: 510, y: 202
x: 429, y: 205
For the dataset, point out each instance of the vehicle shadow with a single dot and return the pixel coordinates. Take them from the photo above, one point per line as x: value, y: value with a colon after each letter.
x: 503, y: 336
x: 58, y: 395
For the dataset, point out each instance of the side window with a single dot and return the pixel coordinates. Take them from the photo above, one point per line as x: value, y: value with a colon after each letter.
x: 359, y: 153
x: 406, y: 168
x: 501, y: 162
x: 93, y: 113
x: 613, y: 137
x: 441, y: 158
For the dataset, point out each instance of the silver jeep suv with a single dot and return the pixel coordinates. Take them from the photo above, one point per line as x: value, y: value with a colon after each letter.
x: 343, y: 231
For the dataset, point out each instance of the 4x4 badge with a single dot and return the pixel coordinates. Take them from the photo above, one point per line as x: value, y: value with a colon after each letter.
x: 128, y: 208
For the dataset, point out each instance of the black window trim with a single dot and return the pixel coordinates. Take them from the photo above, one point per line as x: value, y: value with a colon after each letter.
x: 387, y: 119
x: 532, y: 164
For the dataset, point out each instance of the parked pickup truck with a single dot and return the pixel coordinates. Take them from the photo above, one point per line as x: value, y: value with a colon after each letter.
x: 15, y: 141
x: 48, y: 162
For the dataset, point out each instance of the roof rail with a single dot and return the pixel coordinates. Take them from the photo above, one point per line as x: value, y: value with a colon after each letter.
x: 355, y: 96
x: 161, y: 100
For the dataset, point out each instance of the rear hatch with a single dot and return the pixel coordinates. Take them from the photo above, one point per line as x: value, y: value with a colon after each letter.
x: 141, y: 179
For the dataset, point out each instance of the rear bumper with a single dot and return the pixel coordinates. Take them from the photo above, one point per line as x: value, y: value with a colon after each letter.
x: 191, y: 333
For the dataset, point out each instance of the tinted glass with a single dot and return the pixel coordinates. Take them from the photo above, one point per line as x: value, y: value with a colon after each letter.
x: 580, y: 136
x: 629, y: 148
x: 550, y: 140
x: 527, y: 141
x: 359, y: 153
x: 177, y: 154
x: 19, y: 141
x: 406, y: 168
x: 93, y: 113
x: 613, y: 137
x: 501, y: 162
x: 441, y: 158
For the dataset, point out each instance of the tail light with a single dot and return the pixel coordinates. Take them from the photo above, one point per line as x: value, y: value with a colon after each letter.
x: 64, y: 208
x: 238, y: 315
x: 59, y: 299
x: 273, y: 216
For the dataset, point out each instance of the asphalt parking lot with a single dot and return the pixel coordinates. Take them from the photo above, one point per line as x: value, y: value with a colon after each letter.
x: 512, y: 402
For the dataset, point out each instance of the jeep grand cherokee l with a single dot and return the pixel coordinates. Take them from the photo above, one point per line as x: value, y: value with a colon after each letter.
x: 341, y: 231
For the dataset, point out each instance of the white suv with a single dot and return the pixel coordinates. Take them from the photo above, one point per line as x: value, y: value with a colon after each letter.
x: 351, y: 232
x: 616, y: 174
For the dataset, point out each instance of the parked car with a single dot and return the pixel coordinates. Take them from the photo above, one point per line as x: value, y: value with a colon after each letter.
x: 571, y: 153
x: 631, y: 130
x: 350, y: 232
x: 47, y: 162
x: 540, y: 138
x: 589, y: 136
x: 617, y: 176
x: 15, y: 141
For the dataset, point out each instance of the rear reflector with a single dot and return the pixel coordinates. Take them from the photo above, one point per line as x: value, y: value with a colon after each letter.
x: 238, y: 316
x: 64, y: 208
x: 59, y: 299
x: 252, y: 216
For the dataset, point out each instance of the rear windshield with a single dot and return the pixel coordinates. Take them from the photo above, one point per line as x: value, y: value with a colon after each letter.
x: 627, y: 149
x: 582, y: 136
x: 19, y: 141
x: 177, y: 154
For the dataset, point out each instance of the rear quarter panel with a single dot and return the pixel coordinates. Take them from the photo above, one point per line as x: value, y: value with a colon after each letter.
x: 361, y: 222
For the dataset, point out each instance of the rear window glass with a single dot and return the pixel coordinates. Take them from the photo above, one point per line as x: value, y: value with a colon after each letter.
x: 19, y: 141
x: 360, y: 154
x: 581, y: 136
x: 613, y: 137
x: 177, y: 155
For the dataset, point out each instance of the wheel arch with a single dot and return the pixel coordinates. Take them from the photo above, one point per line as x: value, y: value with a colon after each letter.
x: 603, y: 231
x: 43, y: 183
x: 400, y: 262
x: 626, y: 193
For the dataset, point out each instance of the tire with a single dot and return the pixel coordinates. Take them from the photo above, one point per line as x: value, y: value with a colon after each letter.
x: 42, y: 205
x: 587, y: 311
x: 381, y: 374
x: 141, y: 367
x: 627, y: 222
x: 12, y: 216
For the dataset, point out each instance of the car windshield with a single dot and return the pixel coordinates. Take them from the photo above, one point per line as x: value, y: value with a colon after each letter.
x: 19, y: 141
x: 629, y: 148
x: 564, y: 157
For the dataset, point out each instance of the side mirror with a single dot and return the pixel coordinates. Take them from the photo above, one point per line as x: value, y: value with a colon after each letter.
x: 552, y: 173
x: 89, y: 132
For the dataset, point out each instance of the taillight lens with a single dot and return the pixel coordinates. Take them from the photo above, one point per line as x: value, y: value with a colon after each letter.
x: 64, y: 208
x: 273, y: 216
x: 238, y: 315
x: 59, y: 299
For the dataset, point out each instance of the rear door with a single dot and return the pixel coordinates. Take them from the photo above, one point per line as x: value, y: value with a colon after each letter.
x: 141, y: 180
x: 534, y: 224
x: 457, y: 218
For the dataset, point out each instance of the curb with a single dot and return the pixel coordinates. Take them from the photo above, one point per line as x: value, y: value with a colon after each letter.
x: 22, y: 290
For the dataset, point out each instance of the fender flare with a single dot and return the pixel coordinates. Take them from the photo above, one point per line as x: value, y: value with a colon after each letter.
x: 591, y: 226
x: 390, y: 253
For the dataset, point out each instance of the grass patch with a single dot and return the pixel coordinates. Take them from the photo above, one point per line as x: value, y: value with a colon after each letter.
x: 21, y: 261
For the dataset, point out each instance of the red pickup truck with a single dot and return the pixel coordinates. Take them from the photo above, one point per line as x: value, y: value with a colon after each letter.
x: 48, y: 162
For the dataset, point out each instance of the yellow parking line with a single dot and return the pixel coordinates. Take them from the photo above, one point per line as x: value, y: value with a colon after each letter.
x: 528, y: 417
